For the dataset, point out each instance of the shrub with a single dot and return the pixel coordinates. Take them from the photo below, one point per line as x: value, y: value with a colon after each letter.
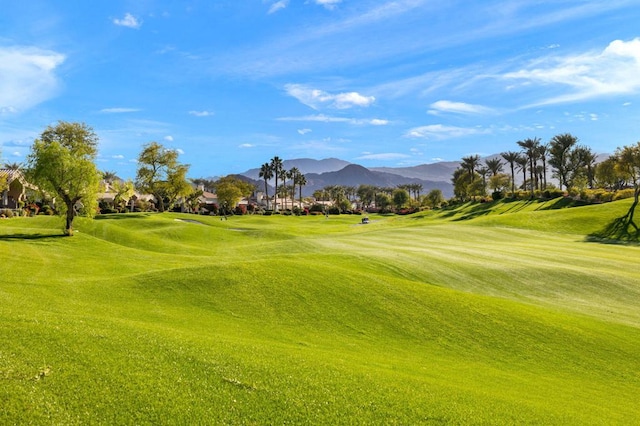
x: 317, y: 208
x: 240, y: 209
x: 333, y: 210
x: 624, y: 193
x: 497, y: 195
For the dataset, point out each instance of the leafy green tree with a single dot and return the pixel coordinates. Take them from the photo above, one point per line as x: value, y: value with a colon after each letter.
x: 123, y: 191
x: 160, y: 174
x: 230, y: 190
x: 560, y: 156
x: 607, y: 175
x: 400, y: 198
x: 434, y: 198
x: 499, y: 182
x: 62, y: 162
x: 628, y: 159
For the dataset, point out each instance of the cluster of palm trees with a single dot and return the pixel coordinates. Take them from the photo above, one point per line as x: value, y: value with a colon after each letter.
x: 571, y: 164
x: 274, y: 169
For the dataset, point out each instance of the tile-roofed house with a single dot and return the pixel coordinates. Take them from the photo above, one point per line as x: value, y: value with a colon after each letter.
x: 16, y: 190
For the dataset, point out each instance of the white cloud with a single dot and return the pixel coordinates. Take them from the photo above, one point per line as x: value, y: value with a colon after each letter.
x: 179, y: 151
x: 279, y: 5
x: 613, y: 71
x: 329, y: 4
x: 626, y: 104
x: 118, y: 110
x: 329, y: 119
x: 304, y: 131
x: 168, y: 138
x: 201, y: 113
x: 27, y: 77
x: 246, y: 145
x: 458, y: 108
x: 316, y: 99
x: 128, y: 21
x: 438, y: 131
x: 118, y: 157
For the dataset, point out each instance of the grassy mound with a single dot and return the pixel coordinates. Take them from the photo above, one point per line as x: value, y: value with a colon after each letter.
x: 505, y: 317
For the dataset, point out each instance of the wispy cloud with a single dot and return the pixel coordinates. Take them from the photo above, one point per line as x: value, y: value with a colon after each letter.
x: 458, y: 108
x: 246, y: 145
x: 328, y: 4
x: 201, y: 113
x: 304, y: 131
x: 168, y: 138
x: 128, y: 21
x: 317, y: 99
x: 118, y: 110
x: 329, y: 119
x: 613, y: 71
x: 27, y: 77
x: 439, y: 131
x: 278, y: 5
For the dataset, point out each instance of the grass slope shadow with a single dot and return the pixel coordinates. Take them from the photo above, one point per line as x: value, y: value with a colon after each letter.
x: 620, y: 230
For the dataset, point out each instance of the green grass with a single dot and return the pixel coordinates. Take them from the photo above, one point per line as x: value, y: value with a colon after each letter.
x: 487, y: 314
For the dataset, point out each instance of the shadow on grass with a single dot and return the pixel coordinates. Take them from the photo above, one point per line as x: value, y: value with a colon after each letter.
x: 618, y: 231
x: 31, y: 236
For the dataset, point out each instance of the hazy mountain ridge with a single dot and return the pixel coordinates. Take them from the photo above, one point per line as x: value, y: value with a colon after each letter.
x: 333, y: 171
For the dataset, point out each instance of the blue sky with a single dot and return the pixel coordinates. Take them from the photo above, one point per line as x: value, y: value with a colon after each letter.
x: 230, y: 84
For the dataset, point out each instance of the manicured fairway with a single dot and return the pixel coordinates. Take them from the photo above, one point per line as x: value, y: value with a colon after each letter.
x: 502, y: 314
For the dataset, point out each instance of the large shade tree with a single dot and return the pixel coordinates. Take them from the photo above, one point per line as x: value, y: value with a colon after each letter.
x: 162, y: 175
x: 62, y: 163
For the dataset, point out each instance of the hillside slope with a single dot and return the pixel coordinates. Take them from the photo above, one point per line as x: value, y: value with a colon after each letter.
x: 169, y: 318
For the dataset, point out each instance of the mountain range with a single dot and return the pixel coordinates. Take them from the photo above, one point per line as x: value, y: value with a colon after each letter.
x: 333, y: 171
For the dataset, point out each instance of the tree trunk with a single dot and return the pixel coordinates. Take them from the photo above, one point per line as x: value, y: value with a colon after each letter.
x: 68, y: 230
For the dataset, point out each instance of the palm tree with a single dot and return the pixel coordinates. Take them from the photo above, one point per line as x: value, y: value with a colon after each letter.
x: 494, y: 165
x: 559, y: 156
x: 530, y: 147
x: 278, y: 170
x: 543, y: 150
x: 266, y: 172
x: 511, y: 158
x: 470, y: 164
x: 13, y: 166
x: 522, y: 162
x: 484, y: 171
x: 109, y: 177
x: 293, y: 175
x: 301, y: 181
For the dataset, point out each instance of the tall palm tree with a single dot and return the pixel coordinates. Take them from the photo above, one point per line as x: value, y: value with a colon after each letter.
x: 543, y: 150
x: 470, y: 164
x: 511, y: 157
x: 278, y: 170
x: 109, y: 177
x: 494, y: 165
x: 293, y: 175
x: 483, y: 172
x: 522, y: 162
x: 301, y: 181
x: 266, y: 173
x: 530, y: 147
x: 559, y: 156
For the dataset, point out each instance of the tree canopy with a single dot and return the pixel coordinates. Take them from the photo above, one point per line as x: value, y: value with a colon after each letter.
x: 162, y: 175
x: 62, y: 162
